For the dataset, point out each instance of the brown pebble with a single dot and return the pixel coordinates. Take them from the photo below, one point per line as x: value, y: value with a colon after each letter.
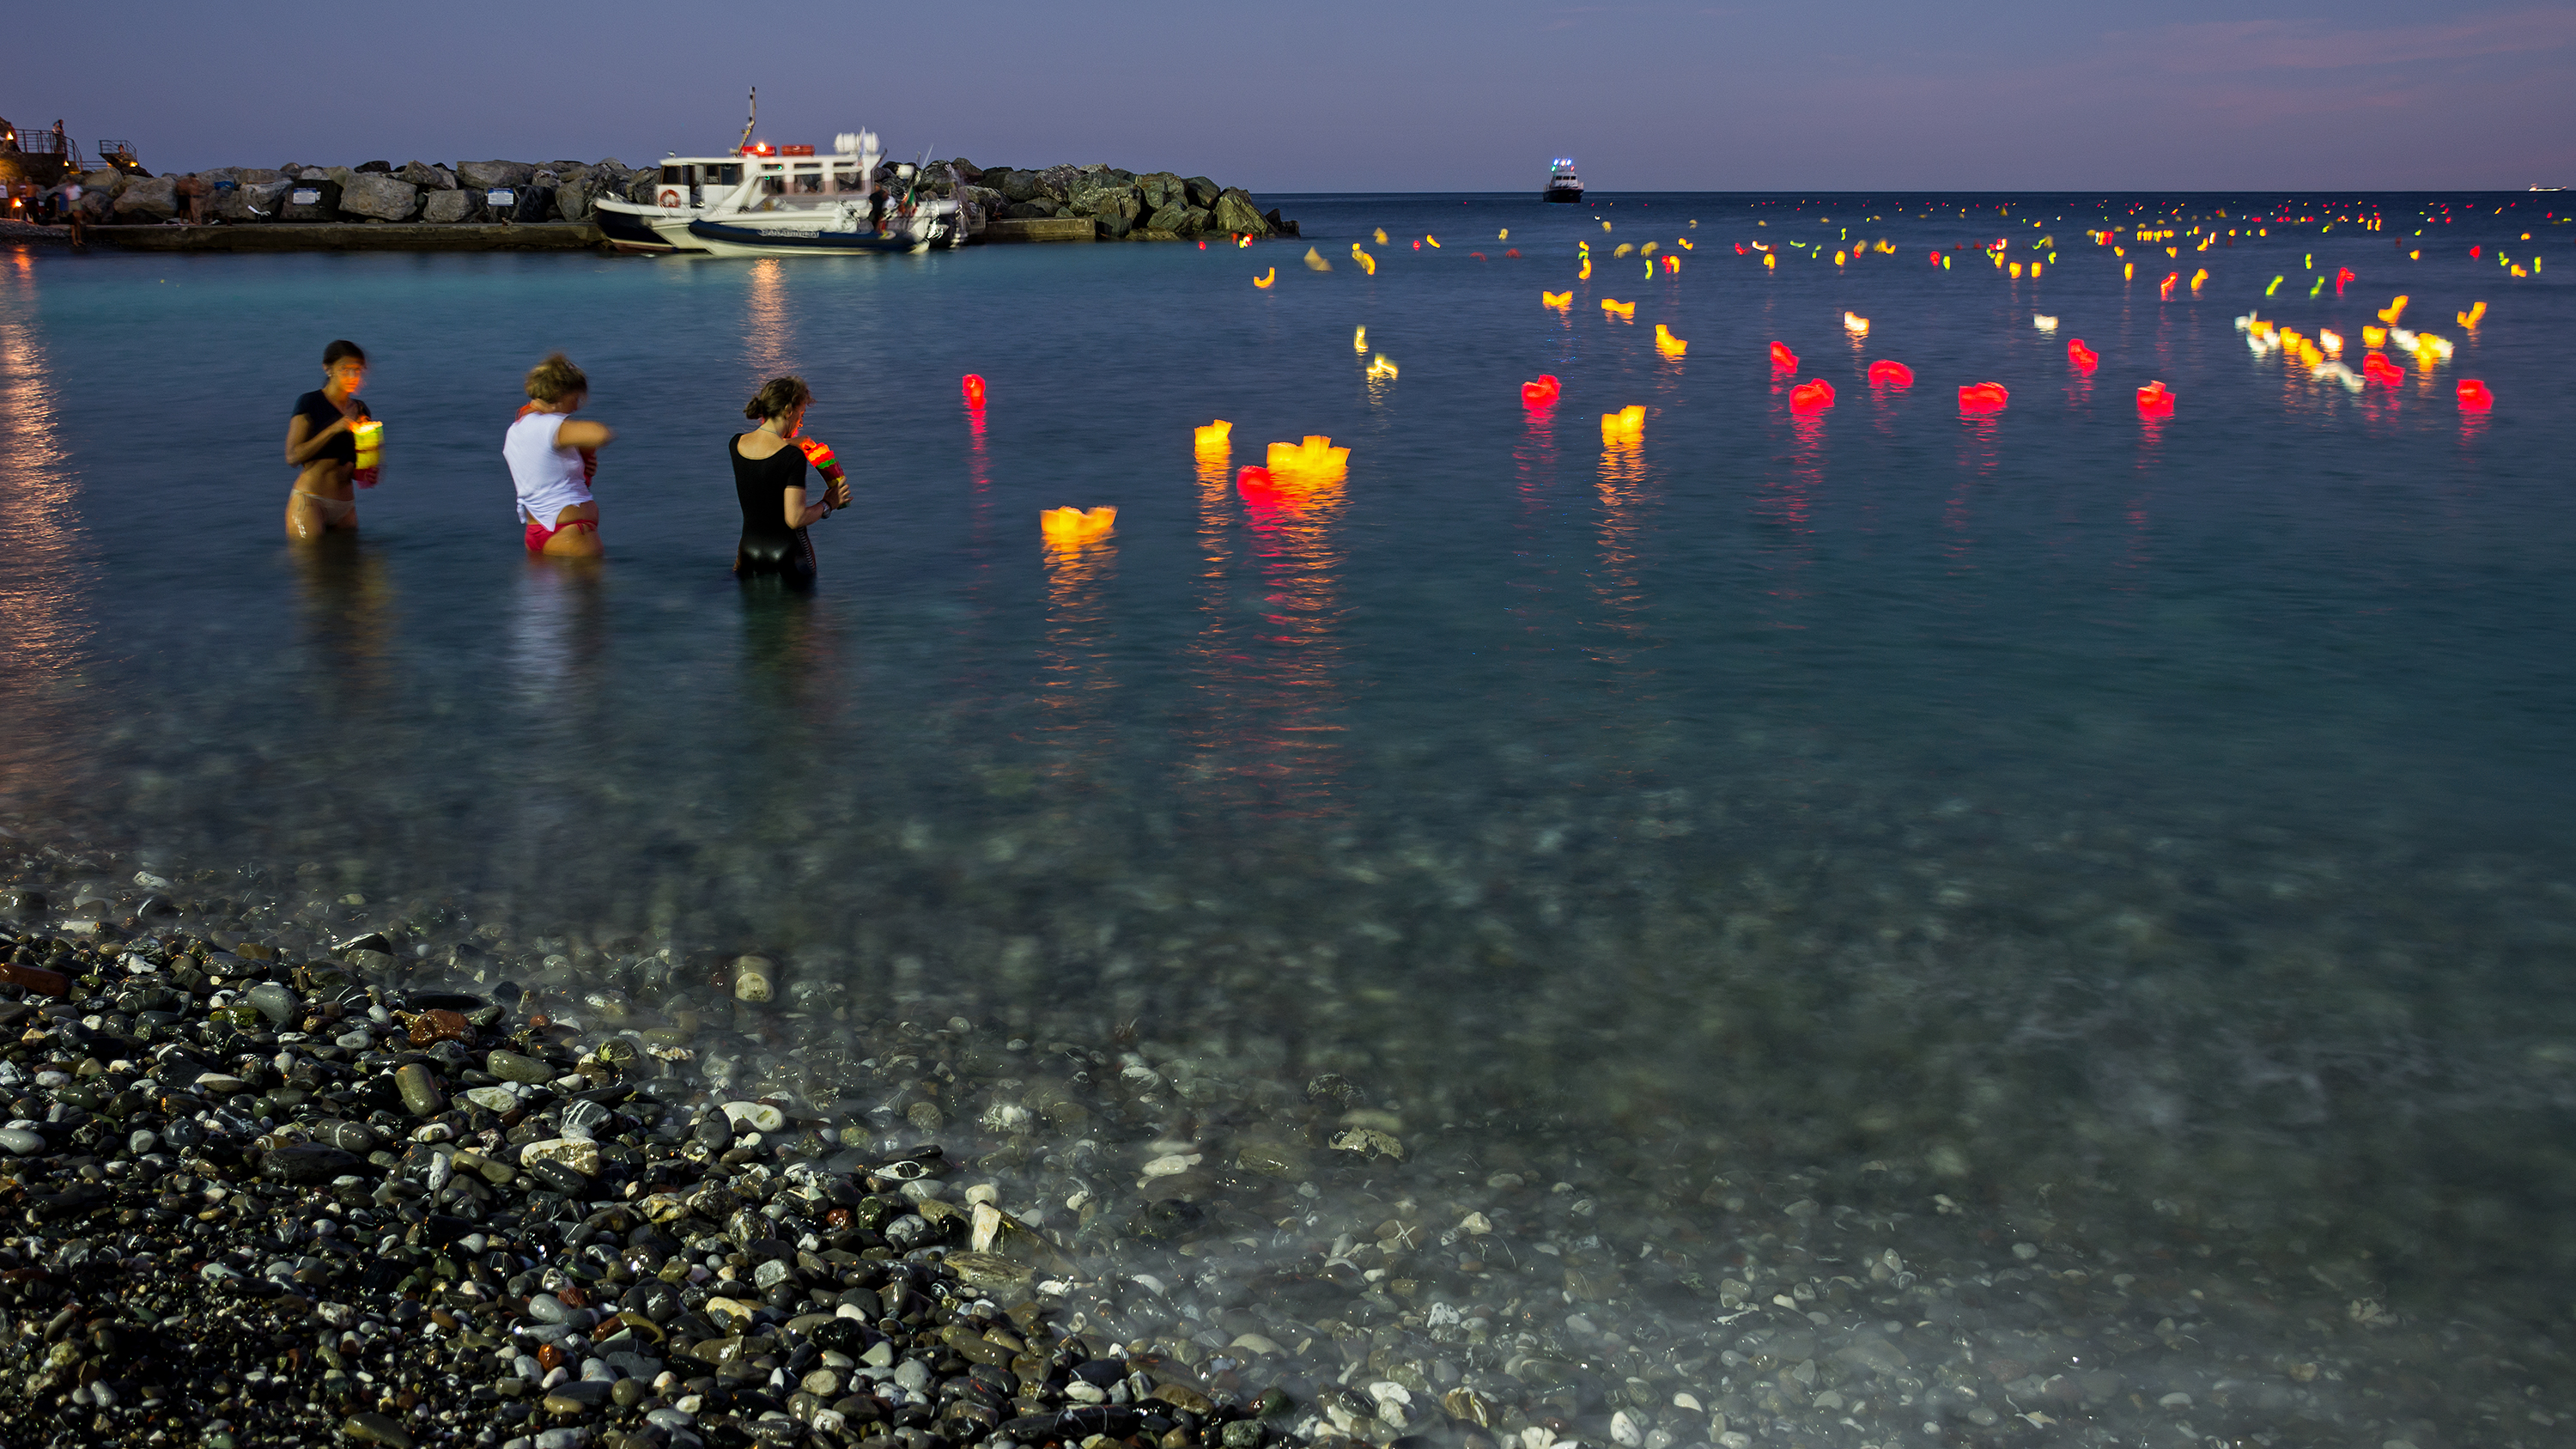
x: 436, y: 1025
x: 549, y: 1356
x: 36, y: 979
x: 572, y: 1297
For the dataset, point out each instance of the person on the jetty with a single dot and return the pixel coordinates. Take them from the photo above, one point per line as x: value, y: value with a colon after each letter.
x: 552, y: 460
x: 769, y: 465
x: 321, y: 443
x: 198, y: 193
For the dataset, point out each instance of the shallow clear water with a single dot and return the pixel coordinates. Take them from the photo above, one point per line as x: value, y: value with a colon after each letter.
x: 2179, y: 808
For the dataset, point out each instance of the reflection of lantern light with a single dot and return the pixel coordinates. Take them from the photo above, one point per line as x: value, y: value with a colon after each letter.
x: 1983, y: 397
x: 1380, y: 367
x: 1884, y: 373
x: 1628, y: 425
x: 1782, y: 359
x: 973, y: 386
x: 2155, y: 400
x: 1855, y: 324
x: 1555, y: 299
x: 1666, y: 343
x: 1811, y: 397
x: 1074, y: 526
x: 1216, y: 437
x: 2474, y: 396
x: 2081, y: 357
x: 1266, y: 278
x: 1541, y: 393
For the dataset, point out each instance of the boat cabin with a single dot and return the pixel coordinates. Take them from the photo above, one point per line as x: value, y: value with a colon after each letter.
x: 792, y: 174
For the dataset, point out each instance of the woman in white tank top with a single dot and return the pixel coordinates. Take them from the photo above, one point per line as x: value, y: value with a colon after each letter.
x: 552, y: 459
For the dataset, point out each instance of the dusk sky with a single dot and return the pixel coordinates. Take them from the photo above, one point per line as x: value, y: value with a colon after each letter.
x: 1359, y: 96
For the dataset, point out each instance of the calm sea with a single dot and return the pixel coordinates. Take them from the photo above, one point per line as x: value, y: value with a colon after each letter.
x: 2055, y: 795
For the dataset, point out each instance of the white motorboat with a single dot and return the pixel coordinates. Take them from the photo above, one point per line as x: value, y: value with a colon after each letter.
x: 790, y: 184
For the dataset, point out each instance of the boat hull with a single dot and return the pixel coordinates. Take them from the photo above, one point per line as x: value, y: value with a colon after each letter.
x: 628, y: 231
x: 739, y: 241
x: 1562, y: 193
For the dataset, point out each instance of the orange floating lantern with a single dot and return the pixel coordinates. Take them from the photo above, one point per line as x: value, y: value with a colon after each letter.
x: 1667, y: 344
x: 1626, y: 427
x: 1983, y: 397
x: 1074, y: 526
x: 1558, y: 300
x: 2390, y: 313
x: 1626, y: 311
x: 1884, y: 373
x: 2155, y: 400
x: 2474, y: 397
x: 1266, y: 278
x: 2081, y: 357
x: 1216, y: 437
x: 1782, y: 359
x: 2477, y: 312
x: 1539, y: 394
x: 973, y: 386
x: 1315, y: 460
x: 1811, y: 397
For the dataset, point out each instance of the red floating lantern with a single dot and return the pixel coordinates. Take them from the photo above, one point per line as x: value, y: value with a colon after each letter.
x: 1256, y: 486
x: 2474, y: 397
x: 1983, y: 397
x: 2081, y: 357
x: 2155, y: 401
x: 1811, y: 397
x: 1782, y: 359
x: 2342, y: 275
x: 2473, y: 253
x: 2377, y: 368
x: 1540, y: 393
x: 1884, y: 373
x: 1739, y: 249
x: 974, y: 387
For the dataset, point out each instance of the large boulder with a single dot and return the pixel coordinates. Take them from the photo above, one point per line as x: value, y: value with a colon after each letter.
x: 535, y: 203
x: 148, y: 198
x: 426, y: 176
x: 1021, y: 210
x: 482, y: 175
x: 1278, y: 226
x: 252, y: 201
x: 450, y: 206
x: 1203, y: 192
x: 1235, y: 215
x: 1115, y: 207
x: 1015, y: 186
x: 573, y: 198
x: 981, y: 204
x: 1171, y: 216
x: 106, y: 181
x: 1057, y: 182
x: 1194, y: 219
x: 1161, y: 189
x: 382, y: 167
x: 377, y: 194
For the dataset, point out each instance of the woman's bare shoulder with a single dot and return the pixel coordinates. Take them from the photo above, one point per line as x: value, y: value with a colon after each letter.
x: 757, y: 445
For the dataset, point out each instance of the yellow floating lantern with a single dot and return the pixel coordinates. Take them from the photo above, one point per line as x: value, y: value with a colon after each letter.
x: 1216, y: 437
x: 2390, y: 313
x: 2374, y: 336
x: 1266, y: 278
x: 1626, y: 426
x: 1647, y: 250
x: 1315, y: 261
x: 1586, y: 274
x: 1667, y: 344
x: 1432, y: 241
x: 1380, y: 367
x: 1315, y: 460
x: 1555, y: 299
x: 2199, y: 277
x: 1380, y: 234
x: 1770, y: 260
x: 1839, y: 259
x: 2470, y: 319
x: 1359, y: 339
x: 1626, y: 311
x: 1622, y: 249
x: 1073, y: 527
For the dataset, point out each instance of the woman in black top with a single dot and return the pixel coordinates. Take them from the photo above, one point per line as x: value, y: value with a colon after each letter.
x: 320, y: 444
x: 769, y: 479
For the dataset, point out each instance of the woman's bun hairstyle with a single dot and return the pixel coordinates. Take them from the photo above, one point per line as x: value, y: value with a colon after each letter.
x: 343, y: 348
x: 776, y: 398
x: 551, y: 379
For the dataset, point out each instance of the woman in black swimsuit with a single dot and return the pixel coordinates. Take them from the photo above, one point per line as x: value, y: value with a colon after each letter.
x: 323, y: 450
x: 769, y: 479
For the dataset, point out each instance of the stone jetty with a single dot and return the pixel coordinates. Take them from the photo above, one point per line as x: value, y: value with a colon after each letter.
x: 441, y: 206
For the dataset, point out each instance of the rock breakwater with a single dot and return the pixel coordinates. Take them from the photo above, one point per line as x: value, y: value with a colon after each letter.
x: 1121, y: 205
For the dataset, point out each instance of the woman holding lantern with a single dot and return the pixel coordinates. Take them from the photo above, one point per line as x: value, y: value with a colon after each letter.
x: 324, y: 436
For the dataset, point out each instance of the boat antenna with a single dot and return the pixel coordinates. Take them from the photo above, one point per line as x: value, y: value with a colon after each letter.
x: 751, y: 121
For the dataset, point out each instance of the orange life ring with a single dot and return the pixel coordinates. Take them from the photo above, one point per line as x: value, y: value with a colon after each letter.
x: 671, y: 197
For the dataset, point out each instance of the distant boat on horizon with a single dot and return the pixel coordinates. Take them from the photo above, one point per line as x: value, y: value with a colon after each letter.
x: 2549, y: 188
x: 1562, y: 183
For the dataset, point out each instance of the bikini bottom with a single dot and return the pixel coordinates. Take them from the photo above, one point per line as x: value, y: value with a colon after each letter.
x: 790, y: 558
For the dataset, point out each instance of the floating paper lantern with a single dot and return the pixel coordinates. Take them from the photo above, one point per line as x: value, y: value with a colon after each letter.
x: 1380, y: 367
x: 1623, y: 249
x: 1435, y: 241
x: 1417, y: 246
x: 1380, y: 234
x: 1539, y: 394
x: 2129, y: 272
x: 2474, y: 397
x: 2081, y: 357
x: 2016, y: 271
x: 1257, y: 486
x: 1504, y: 235
x: 1075, y: 526
x: 2342, y: 275
x: 2043, y: 322
x: 1782, y: 359
x: 2373, y: 336
x: 1884, y: 373
x: 1856, y: 325
x: 1359, y: 339
x: 2166, y: 290
x: 1216, y: 437
x: 1626, y: 426
x: 2330, y: 340
x: 1937, y: 258
x: 2199, y: 277
x: 1315, y: 460
x: 2473, y: 253
x: 2379, y: 369
x: 1983, y: 397
x: 1315, y: 261
x: 1770, y: 260
x: 1559, y: 300
x: 1585, y: 275
x: 1626, y: 311
x: 1666, y: 343
x: 2390, y: 313
x: 1672, y: 265
x: 1838, y: 259
x: 1811, y: 397
x: 2471, y: 317
x: 973, y: 387
x: 2155, y: 400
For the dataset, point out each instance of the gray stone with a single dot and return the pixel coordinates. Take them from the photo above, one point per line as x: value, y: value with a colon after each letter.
x: 275, y: 1002
x: 483, y: 175
x: 420, y: 1093
x: 563, y: 1439
x: 772, y: 1273
x: 450, y: 206
x: 307, y: 1162
x: 574, y: 196
x: 1171, y: 216
x: 1202, y: 192
x: 374, y: 194
x: 1020, y: 210
x: 1234, y: 215
x: 492, y: 1099
x: 148, y: 198
x: 427, y: 177
x: 547, y: 1308
x: 512, y: 1067
x: 376, y: 1429
x: 573, y: 1152
x: 755, y: 978
x: 252, y: 201
x: 21, y: 1141
x: 755, y: 1117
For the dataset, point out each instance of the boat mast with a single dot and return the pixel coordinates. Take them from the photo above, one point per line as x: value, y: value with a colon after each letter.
x: 750, y: 122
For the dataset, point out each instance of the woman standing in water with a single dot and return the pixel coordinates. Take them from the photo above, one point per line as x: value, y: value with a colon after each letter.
x: 552, y: 459
x: 320, y: 442
x: 769, y: 480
